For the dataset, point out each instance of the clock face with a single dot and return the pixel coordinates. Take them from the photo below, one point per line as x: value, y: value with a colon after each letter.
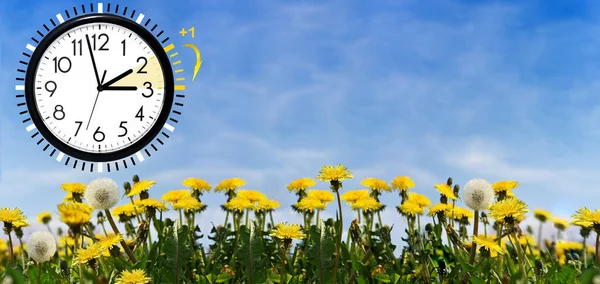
x: 98, y: 87
x: 101, y: 119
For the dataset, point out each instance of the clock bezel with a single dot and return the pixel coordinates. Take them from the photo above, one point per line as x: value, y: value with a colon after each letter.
x: 161, y: 56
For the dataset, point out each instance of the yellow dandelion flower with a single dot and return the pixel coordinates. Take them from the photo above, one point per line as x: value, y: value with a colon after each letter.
x: 3, y: 245
x: 66, y: 241
x: 402, y: 183
x: 68, y: 197
x: 239, y: 204
x: 458, y: 213
x: 287, y: 232
x: 230, y: 184
x: 301, y: 184
x: 411, y: 208
x: 251, y: 195
x: 445, y: 190
x: 140, y: 186
x: 439, y: 208
x: 527, y: 240
x: 126, y: 210
x: 188, y: 204
x: 267, y: 205
x: 176, y: 195
x: 11, y: 216
x: 542, y: 215
x: 505, y: 186
x: 77, y: 188
x: 324, y: 196
x: 334, y: 173
x: 110, y: 240
x: 44, y: 217
x: 136, y: 276
x: 21, y: 224
x: 84, y: 255
x: 367, y: 204
x: 74, y: 213
x: 196, y: 184
x: 560, y: 223
x: 151, y: 203
x: 376, y: 184
x: 420, y: 199
x: 355, y: 195
x: 20, y: 248
x: 488, y: 243
x: 585, y: 217
x: 310, y: 204
x: 508, y: 209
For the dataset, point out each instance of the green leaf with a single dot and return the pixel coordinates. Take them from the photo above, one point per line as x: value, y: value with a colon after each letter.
x: 250, y: 254
x: 321, y: 253
x: 476, y: 280
x: 222, y: 278
x: 16, y: 274
x: 566, y: 275
x: 588, y: 275
x: 177, y: 251
x: 382, y: 278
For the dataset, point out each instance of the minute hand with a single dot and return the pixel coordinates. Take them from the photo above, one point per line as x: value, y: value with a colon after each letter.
x: 107, y: 84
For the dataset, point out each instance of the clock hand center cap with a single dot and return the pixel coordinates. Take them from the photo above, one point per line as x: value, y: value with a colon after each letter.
x: 99, y: 88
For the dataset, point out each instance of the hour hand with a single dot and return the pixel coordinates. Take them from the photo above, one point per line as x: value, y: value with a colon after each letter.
x: 120, y: 88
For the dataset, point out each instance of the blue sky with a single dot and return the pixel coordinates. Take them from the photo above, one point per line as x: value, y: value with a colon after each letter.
x: 498, y: 90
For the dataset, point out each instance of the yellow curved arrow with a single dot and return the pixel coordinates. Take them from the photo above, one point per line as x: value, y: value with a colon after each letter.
x: 198, y: 60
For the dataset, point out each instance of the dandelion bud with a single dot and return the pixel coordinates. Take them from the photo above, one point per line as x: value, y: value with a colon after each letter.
x: 442, y: 267
x: 456, y: 189
x: 102, y: 193
x: 449, y: 182
x: 64, y: 268
x: 168, y: 222
x: 478, y: 194
x: 59, y: 231
x: 142, y: 232
x: 19, y: 232
x: 529, y: 230
x: 127, y: 187
x: 136, y: 178
x: 41, y: 246
x: 100, y: 217
x: 585, y: 232
x: 539, y: 267
x: 329, y: 222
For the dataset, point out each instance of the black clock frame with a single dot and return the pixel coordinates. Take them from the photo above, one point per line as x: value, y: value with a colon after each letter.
x: 161, y: 56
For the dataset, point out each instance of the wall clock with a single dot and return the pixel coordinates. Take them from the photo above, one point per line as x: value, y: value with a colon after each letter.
x: 96, y: 87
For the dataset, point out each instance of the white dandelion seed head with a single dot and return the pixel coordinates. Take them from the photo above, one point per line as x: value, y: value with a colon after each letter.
x: 41, y: 246
x: 102, y: 193
x: 478, y: 194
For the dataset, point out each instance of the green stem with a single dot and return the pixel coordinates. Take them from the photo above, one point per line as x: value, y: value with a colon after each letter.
x: 379, y: 218
x: 22, y: 252
x: 271, y: 216
x: 318, y: 213
x: 39, y: 276
x: 12, y: 252
x: 116, y: 231
x: 473, y: 244
x: 339, y: 239
x: 80, y: 266
x: 584, y: 252
x: 247, y: 214
x: 499, y: 235
x: 597, y: 245
x: 540, y: 235
x: 226, y: 219
x: 520, y: 254
x: 180, y: 217
x: 282, y: 266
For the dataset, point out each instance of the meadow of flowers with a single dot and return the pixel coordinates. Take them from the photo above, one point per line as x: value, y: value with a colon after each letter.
x: 471, y: 234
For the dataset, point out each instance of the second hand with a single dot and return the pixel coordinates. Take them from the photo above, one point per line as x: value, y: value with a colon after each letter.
x: 94, y: 107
